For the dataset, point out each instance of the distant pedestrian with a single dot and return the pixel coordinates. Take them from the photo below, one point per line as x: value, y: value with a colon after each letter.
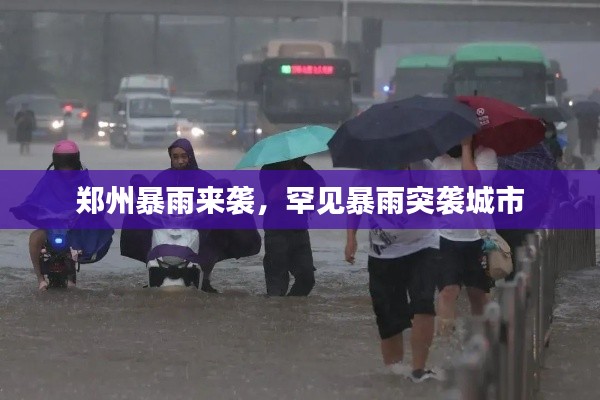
x: 25, y: 125
x: 89, y: 124
x: 588, y: 134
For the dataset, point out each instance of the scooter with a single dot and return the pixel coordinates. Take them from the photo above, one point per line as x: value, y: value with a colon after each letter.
x: 58, y: 260
x: 171, y: 258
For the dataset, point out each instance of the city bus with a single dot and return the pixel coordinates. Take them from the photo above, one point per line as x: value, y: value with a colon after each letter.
x: 513, y: 72
x: 301, y: 84
x: 418, y: 75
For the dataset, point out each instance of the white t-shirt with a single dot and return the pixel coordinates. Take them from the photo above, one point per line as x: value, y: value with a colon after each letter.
x: 395, y: 243
x: 485, y: 160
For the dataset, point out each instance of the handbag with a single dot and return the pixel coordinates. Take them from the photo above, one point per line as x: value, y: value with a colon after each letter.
x: 499, y: 259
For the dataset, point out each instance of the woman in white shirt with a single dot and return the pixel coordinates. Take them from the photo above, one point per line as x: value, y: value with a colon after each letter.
x: 461, y: 250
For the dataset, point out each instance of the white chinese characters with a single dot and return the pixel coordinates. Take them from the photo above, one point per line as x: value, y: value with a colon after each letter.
x: 237, y: 200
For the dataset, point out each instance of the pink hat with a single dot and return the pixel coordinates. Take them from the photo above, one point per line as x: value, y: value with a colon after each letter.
x: 65, y: 147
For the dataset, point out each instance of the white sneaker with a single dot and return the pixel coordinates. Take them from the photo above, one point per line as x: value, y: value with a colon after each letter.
x: 400, y: 369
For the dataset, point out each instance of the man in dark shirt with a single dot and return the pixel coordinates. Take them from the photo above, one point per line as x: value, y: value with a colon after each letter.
x: 287, y: 251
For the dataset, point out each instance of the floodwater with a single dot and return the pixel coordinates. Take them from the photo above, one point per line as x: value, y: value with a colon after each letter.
x: 112, y: 339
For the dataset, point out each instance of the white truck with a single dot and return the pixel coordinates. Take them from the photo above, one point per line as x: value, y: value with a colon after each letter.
x: 145, y: 83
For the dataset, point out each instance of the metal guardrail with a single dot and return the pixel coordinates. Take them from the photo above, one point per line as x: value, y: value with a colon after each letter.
x: 461, y: 10
x: 479, y: 3
x: 504, y: 349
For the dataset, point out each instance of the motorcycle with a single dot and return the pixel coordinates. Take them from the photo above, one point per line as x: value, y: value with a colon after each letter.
x: 58, y: 261
x: 172, y: 258
x: 66, y: 249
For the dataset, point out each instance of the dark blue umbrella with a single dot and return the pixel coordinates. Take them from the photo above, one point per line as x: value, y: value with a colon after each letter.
x: 550, y: 113
x: 391, y: 134
x: 586, y: 108
x: 537, y: 157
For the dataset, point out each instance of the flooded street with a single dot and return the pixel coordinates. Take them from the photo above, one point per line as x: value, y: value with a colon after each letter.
x: 379, y: 84
x: 112, y: 339
x: 574, y: 354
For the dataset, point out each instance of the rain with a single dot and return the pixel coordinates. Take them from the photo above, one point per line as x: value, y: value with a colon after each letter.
x: 91, y: 61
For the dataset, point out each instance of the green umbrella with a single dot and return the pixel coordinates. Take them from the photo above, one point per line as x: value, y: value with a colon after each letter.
x: 287, y: 145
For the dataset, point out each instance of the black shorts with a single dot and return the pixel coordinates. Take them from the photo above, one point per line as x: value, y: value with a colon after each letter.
x: 460, y: 264
x: 393, y: 281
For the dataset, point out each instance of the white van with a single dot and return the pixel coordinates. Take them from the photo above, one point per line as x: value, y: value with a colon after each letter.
x: 143, y: 120
x: 159, y: 84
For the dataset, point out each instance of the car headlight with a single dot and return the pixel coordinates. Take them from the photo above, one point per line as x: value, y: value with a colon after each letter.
x: 178, y: 132
x: 258, y: 131
x: 101, y: 133
x: 571, y: 103
x: 234, y: 132
x: 102, y: 124
x: 197, y: 132
x: 57, y: 124
x: 111, y: 124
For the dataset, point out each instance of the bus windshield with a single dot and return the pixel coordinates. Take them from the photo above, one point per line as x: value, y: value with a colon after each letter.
x: 409, y: 82
x: 522, y: 85
x: 307, y: 99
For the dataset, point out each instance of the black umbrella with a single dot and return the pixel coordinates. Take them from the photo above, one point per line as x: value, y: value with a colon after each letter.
x: 391, y: 134
x: 586, y: 108
x: 550, y: 113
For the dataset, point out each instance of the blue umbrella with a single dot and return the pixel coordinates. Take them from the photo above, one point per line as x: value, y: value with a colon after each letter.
x: 287, y: 145
x: 391, y: 134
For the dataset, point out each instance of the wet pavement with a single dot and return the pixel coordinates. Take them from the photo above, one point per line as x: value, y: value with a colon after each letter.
x: 112, y: 339
x: 573, y: 358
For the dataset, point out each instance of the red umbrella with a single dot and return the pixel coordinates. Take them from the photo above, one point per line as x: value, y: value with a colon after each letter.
x: 505, y: 128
